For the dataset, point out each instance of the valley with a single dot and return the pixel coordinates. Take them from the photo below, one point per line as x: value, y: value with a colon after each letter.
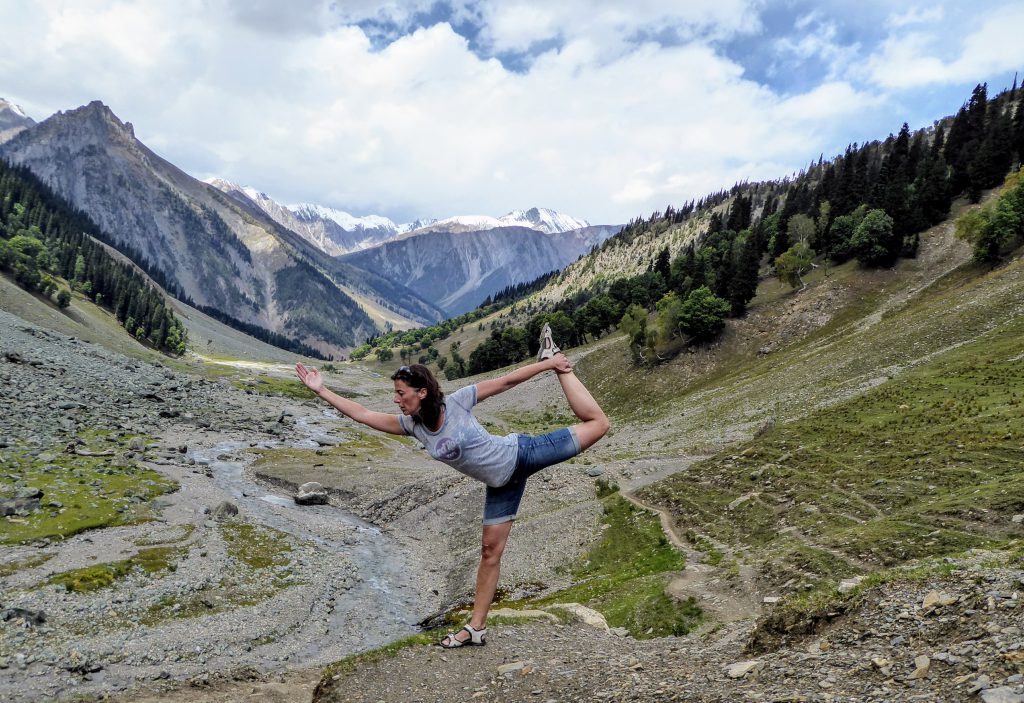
x: 767, y: 499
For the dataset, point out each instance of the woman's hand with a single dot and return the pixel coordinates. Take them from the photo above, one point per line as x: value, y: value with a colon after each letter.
x: 560, y: 363
x: 311, y: 377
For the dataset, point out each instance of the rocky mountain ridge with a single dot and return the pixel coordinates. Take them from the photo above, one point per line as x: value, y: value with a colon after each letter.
x: 458, y: 270
x: 220, y: 252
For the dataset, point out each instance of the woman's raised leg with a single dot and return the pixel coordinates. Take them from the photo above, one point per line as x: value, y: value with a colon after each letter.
x: 595, y: 422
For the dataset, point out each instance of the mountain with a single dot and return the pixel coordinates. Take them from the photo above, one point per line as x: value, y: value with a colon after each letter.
x: 337, y: 232
x: 540, y: 219
x: 12, y: 120
x: 332, y: 231
x: 457, y: 270
x: 452, y: 272
x: 216, y: 251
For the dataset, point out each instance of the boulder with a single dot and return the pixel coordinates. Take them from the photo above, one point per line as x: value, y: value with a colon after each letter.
x: 311, y: 493
x: 581, y: 613
x: 18, y: 506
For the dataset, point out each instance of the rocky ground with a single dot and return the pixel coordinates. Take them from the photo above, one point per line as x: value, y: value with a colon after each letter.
x: 243, y: 596
x: 952, y: 638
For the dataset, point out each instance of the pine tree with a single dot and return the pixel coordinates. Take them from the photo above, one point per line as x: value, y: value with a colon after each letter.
x: 743, y: 285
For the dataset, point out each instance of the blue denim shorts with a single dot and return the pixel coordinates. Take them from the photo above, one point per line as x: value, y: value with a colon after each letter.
x: 535, y: 453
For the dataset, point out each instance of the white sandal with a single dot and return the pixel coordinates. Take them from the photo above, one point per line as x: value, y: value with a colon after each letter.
x: 477, y: 638
x: 548, y: 348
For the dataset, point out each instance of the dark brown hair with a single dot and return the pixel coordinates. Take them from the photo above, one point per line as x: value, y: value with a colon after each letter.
x: 419, y: 376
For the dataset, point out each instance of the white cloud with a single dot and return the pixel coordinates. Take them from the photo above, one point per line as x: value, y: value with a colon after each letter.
x: 920, y: 58
x: 917, y: 15
x: 516, y: 25
x: 310, y: 108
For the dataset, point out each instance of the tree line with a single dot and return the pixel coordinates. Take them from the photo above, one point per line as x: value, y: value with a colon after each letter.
x: 43, y: 238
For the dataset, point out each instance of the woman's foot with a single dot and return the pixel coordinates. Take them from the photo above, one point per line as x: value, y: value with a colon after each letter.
x: 470, y: 637
x: 548, y: 348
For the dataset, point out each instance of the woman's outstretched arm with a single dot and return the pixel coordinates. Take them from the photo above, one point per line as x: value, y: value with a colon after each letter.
x: 378, y: 421
x: 557, y: 363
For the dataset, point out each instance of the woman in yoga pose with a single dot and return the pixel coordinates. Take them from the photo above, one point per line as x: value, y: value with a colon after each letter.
x: 451, y: 434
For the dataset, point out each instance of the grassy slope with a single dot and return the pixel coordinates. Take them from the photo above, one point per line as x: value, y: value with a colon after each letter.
x: 914, y: 448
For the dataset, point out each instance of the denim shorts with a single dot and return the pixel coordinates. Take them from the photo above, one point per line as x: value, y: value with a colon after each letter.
x: 535, y: 453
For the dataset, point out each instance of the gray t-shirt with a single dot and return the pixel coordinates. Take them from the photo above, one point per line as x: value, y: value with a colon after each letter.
x: 462, y: 443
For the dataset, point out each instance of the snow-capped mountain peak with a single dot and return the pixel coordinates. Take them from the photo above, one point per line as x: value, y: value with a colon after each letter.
x: 12, y: 120
x: 542, y: 219
x: 16, y: 109
x: 345, y: 220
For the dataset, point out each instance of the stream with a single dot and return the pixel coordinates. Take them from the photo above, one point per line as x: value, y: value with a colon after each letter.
x: 387, y: 600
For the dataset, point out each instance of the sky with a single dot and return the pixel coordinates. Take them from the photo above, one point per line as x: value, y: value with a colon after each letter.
x: 600, y: 109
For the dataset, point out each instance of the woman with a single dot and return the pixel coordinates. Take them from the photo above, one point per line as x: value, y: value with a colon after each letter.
x: 451, y: 434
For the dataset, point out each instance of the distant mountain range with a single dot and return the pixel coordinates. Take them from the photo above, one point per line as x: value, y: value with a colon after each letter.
x: 455, y: 263
x: 456, y: 270
x: 317, y: 274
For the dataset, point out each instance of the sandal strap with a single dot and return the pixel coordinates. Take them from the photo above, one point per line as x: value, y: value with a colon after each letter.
x: 475, y: 636
x: 452, y: 641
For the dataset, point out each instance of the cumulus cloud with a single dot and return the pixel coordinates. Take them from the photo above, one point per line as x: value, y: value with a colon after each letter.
x: 917, y: 15
x: 613, y: 113
x: 916, y: 58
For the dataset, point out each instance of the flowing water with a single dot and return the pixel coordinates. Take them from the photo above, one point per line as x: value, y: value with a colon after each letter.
x: 387, y: 600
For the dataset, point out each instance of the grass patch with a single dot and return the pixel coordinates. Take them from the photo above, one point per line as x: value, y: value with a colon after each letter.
x: 925, y: 465
x: 92, y: 578
x: 261, y: 558
x: 625, y: 574
x: 712, y: 554
x: 255, y: 546
x: 13, y: 567
x: 79, y: 492
x: 264, y: 384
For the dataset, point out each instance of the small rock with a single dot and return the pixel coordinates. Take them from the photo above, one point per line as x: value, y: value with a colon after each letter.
x: 594, y: 472
x: 980, y: 683
x: 225, y: 510
x: 1003, y: 694
x: 739, y: 501
x: 741, y: 669
x: 587, y: 616
x: 923, y: 664
x: 847, y: 585
x: 1017, y: 519
x: 934, y: 599
x: 511, y: 668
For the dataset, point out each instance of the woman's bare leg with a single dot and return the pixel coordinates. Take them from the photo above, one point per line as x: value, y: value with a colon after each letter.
x: 595, y: 422
x: 495, y: 538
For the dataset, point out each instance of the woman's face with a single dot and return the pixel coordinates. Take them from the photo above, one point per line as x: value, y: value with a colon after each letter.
x: 408, y: 398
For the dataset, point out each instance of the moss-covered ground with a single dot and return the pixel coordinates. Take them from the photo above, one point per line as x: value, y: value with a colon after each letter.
x: 79, y: 492
x: 90, y: 578
x: 259, y: 567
